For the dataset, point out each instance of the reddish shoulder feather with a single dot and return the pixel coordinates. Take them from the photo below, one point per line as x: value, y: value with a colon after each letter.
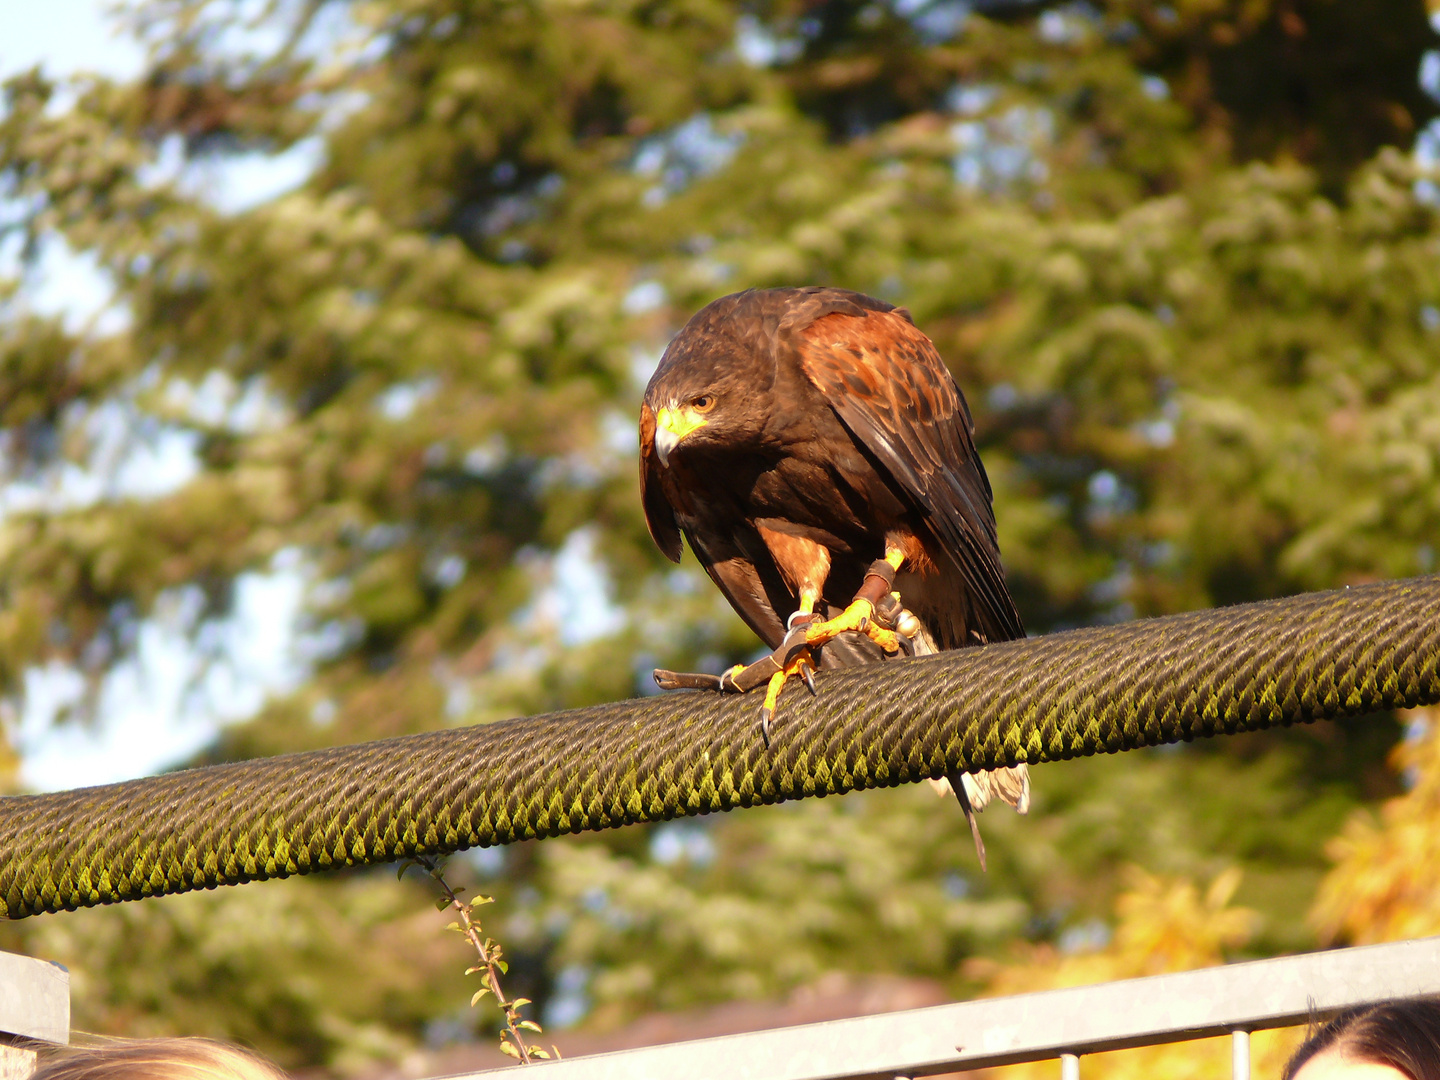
x: 887, y: 383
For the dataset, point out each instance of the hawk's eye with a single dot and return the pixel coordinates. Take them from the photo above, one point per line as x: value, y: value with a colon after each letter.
x: 703, y: 403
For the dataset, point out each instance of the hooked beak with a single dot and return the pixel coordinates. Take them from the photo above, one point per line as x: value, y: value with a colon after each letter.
x: 672, y: 425
x: 665, y: 441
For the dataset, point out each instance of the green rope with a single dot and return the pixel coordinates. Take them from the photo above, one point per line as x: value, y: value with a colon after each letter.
x: 1104, y: 689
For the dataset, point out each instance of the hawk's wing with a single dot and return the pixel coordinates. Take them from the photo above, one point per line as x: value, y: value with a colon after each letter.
x: 889, y: 386
x: 740, y: 580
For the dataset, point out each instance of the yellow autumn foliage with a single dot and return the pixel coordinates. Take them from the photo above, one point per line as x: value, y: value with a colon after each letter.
x: 1385, y: 885
x: 1163, y: 924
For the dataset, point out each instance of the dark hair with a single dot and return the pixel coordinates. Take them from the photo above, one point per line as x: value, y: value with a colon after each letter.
x: 1402, y: 1034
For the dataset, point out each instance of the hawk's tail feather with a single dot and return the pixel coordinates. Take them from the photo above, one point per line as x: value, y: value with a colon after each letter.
x: 1010, y: 785
x: 974, y: 791
x: 964, y: 799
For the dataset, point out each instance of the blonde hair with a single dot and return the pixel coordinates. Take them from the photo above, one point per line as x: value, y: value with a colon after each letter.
x: 155, y: 1059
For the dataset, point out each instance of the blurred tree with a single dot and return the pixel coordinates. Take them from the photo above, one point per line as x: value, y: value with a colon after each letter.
x: 1173, y: 253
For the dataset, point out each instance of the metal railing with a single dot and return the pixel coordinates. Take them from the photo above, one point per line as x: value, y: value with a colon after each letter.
x: 1056, y: 1024
x: 34, y: 1007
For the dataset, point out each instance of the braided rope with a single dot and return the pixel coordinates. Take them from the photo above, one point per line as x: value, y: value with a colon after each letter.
x: 1103, y: 689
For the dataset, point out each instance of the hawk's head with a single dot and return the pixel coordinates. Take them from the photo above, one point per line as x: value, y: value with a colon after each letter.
x: 712, y: 384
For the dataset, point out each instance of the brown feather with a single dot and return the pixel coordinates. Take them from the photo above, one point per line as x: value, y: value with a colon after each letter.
x: 659, y: 517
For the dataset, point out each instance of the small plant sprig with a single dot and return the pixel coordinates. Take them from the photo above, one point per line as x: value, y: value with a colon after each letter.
x: 491, y: 966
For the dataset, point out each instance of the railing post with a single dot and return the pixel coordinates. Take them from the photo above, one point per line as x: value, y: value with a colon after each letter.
x: 34, y: 1009
x: 1069, y: 1067
x: 1240, y: 1055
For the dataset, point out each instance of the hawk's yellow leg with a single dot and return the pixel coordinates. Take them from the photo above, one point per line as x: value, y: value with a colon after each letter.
x: 858, y: 616
x: 801, y: 664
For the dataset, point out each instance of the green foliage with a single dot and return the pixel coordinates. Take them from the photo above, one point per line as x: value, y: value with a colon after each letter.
x: 1172, y: 252
x: 345, y: 971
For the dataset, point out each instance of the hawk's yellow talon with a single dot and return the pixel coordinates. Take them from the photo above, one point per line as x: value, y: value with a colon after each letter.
x: 886, y: 639
x: 859, y: 617
x: 801, y: 666
x: 772, y: 692
x: 855, y: 617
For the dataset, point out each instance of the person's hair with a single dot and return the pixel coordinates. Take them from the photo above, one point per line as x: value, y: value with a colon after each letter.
x: 1402, y: 1034
x: 155, y: 1059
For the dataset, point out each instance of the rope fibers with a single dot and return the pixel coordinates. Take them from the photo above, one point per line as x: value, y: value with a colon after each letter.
x: 1097, y: 690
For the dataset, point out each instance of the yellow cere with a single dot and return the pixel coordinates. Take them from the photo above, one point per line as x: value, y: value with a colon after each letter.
x: 679, y: 421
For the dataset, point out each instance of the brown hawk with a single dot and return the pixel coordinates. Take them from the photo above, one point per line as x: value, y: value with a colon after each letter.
x: 817, y: 454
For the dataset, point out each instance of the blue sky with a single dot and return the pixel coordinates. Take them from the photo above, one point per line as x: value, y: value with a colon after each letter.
x: 64, y: 36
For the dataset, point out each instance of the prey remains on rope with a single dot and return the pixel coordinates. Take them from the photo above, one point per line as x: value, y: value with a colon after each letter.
x: 815, y: 451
